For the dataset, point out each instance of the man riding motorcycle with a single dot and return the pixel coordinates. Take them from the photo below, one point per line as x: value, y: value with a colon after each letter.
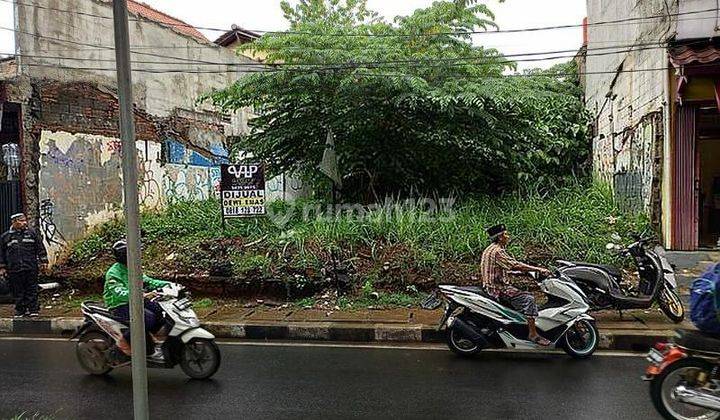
x: 116, y: 295
x: 494, y: 266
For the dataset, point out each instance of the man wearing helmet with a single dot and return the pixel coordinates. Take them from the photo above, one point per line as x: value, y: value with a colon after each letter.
x: 116, y: 295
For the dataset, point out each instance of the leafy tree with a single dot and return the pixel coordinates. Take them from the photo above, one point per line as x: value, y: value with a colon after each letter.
x: 413, y: 104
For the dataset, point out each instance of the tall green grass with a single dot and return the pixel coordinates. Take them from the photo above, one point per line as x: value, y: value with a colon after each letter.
x: 574, y: 223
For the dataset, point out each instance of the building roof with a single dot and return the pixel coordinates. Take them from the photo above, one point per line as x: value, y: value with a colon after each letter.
x: 236, y: 34
x: 683, y: 55
x: 143, y: 10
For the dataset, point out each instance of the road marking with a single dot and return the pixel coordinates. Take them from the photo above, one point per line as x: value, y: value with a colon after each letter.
x: 424, y: 346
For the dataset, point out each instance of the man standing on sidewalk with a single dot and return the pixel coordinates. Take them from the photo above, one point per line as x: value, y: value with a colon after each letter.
x: 22, y: 256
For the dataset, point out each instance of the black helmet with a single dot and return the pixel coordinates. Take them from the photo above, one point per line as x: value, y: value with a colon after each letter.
x: 119, y: 250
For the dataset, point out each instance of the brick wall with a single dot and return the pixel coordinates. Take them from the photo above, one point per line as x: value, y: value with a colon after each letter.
x: 79, y: 107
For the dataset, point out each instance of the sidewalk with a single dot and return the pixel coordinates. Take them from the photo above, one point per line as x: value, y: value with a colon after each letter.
x: 637, y: 331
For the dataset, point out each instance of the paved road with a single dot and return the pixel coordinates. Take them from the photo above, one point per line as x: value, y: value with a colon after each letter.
x: 277, y: 382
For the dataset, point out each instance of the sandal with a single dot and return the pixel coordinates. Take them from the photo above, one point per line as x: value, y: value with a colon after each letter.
x: 540, y: 341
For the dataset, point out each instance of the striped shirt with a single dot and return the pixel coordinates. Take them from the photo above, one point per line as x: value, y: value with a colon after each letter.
x: 494, y: 265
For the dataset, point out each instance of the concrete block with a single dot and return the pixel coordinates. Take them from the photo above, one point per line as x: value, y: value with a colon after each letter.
x: 34, y: 326
x: 64, y: 326
x: 6, y: 325
x: 360, y: 334
x: 404, y: 333
x: 266, y: 332
x: 226, y: 329
x: 309, y: 332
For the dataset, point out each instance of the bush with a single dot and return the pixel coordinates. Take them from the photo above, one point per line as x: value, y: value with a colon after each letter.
x: 393, y: 246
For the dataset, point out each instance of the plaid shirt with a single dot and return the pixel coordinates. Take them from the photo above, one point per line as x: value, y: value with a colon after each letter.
x: 494, y: 265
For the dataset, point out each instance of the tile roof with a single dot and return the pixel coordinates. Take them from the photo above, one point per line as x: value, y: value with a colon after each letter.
x: 686, y: 54
x: 142, y: 9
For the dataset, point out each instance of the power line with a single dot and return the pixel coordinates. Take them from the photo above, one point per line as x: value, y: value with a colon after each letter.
x: 478, y: 60
x: 454, y: 33
x: 415, y: 64
x: 112, y: 48
x: 464, y: 77
x: 614, y: 43
x: 474, y: 60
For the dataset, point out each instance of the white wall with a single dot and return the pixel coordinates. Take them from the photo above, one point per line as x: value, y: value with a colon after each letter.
x: 159, y: 94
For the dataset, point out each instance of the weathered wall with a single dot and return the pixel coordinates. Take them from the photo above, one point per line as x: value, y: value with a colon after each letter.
x: 66, y: 85
x: 629, y: 105
x: 80, y: 183
x: 156, y: 49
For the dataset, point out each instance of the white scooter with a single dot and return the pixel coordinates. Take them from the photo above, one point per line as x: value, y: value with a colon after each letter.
x: 187, y: 344
x: 473, y: 320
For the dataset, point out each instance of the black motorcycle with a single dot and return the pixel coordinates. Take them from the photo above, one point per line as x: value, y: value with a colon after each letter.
x: 605, y: 288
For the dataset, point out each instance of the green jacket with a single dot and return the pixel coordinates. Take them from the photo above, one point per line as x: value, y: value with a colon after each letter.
x: 116, y: 292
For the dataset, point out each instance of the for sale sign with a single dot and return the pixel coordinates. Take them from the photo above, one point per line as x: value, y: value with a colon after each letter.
x: 242, y: 190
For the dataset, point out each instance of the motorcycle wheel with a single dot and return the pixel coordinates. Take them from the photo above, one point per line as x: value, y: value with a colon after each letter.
x: 91, y: 353
x: 459, y: 344
x: 671, y: 305
x: 661, y: 389
x: 581, y: 340
x: 200, y: 358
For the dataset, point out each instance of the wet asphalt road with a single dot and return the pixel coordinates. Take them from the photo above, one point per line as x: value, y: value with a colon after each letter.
x: 279, y: 382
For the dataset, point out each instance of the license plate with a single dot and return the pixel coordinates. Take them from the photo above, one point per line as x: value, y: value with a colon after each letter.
x: 654, y: 356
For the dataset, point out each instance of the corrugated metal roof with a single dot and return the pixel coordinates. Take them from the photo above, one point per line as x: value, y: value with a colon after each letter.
x: 142, y: 9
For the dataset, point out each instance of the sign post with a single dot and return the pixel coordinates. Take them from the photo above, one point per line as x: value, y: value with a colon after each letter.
x: 242, y: 190
x: 132, y: 208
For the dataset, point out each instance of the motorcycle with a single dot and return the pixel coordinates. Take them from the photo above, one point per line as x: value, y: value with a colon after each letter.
x: 684, y: 376
x: 605, y: 288
x: 473, y: 320
x: 187, y: 344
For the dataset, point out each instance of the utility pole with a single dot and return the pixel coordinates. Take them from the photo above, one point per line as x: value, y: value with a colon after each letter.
x: 132, y: 209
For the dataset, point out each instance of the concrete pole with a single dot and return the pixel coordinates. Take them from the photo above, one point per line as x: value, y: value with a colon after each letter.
x: 132, y: 209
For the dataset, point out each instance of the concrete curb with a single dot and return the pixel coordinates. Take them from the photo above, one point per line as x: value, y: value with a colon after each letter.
x: 610, y: 339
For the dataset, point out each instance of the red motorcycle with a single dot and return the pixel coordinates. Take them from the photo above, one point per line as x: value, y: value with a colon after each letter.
x: 684, y: 376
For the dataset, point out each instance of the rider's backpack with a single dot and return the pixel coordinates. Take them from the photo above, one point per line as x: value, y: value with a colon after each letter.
x: 705, y: 301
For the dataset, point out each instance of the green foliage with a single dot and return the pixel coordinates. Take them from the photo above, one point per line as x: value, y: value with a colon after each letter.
x: 416, y: 107
x: 388, y: 249
x: 203, y: 303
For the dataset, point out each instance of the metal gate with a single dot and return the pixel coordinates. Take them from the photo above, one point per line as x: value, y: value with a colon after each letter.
x: 685, y: 183
x: 10, y: 203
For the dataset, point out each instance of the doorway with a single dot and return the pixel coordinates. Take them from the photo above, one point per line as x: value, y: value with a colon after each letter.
x: 10, y: 163
x: 708, y: 177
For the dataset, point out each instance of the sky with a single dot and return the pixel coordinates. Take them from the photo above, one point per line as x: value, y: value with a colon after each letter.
x: 266, y: 15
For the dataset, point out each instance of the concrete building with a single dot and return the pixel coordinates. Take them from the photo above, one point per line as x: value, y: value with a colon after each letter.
x: 60, y: 114
x: 652, y: 86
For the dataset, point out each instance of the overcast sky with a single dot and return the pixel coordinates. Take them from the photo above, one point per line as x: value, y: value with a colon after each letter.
x: 266, y: 15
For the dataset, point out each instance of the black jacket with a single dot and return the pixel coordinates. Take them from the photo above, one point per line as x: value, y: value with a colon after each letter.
x: 21, y: 250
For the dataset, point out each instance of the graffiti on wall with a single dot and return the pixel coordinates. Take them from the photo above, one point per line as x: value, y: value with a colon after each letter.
x: 183, y: 183
x: 628, y: 161
x: 80, y: 176
x: 80, y: 183
x: 150, y: 174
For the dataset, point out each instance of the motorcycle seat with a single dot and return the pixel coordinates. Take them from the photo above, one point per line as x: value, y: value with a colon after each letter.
x: 479, y: 291
x: 697, y: 340
x: 613, y: 271
x: 100, y: 309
